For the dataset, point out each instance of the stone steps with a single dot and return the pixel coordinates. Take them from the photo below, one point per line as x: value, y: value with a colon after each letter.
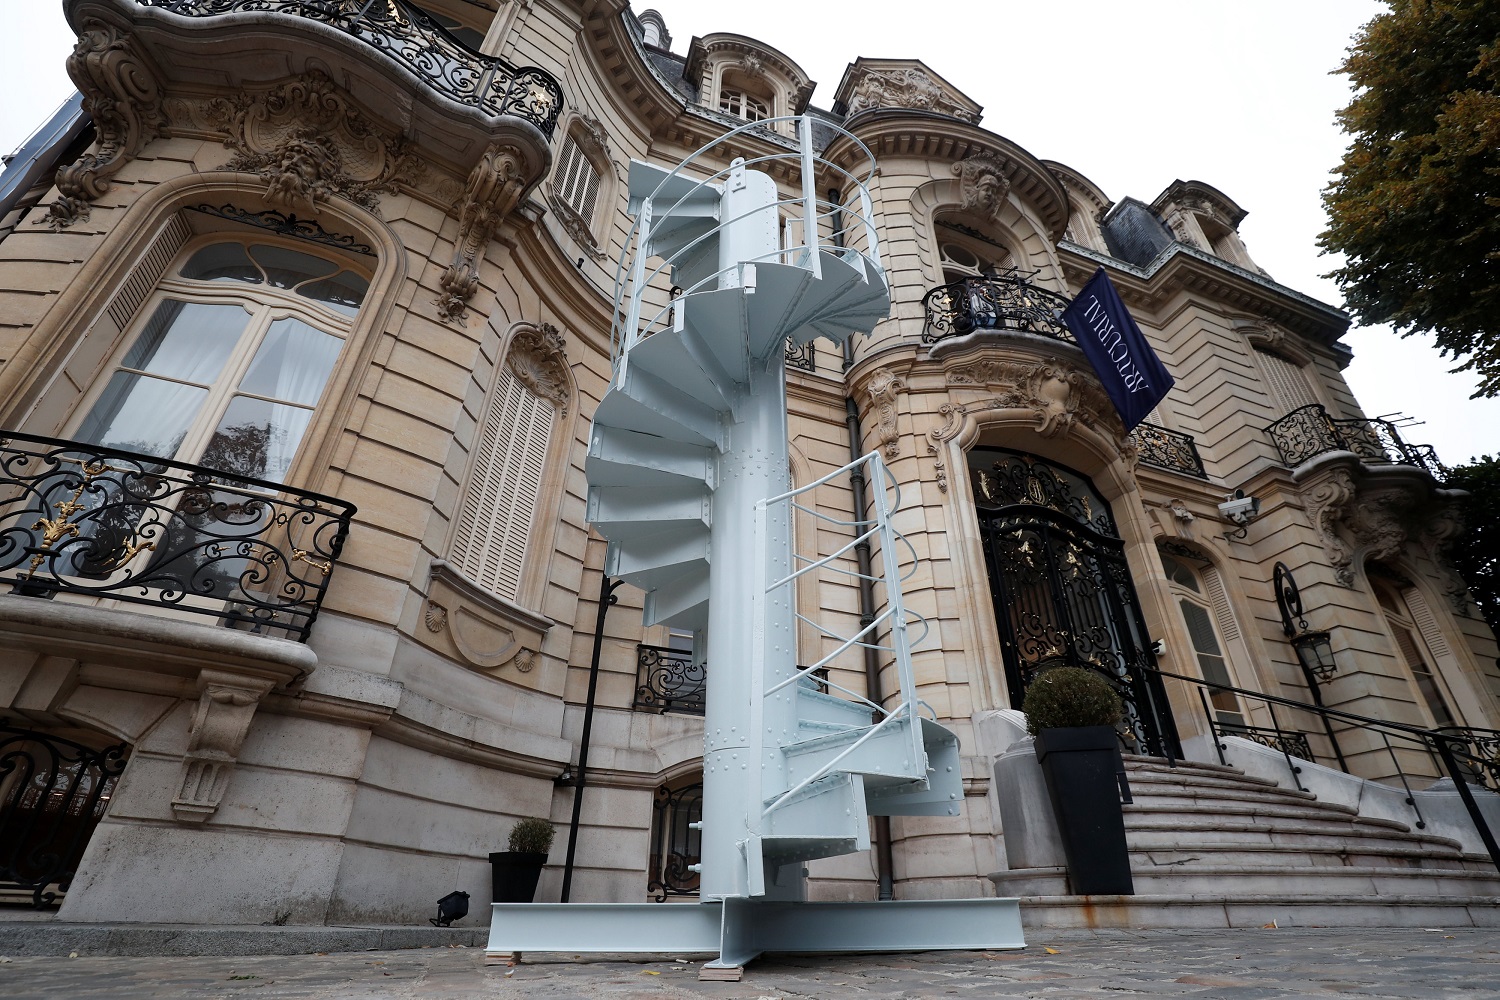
x: 1214, y: 910
x: 1374, y: 854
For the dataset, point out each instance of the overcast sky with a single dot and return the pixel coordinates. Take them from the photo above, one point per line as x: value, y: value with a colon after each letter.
x: 1132, y: 93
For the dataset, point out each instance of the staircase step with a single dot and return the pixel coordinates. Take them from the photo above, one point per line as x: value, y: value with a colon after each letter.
x: 942, y: 794
x: 621, y: 457
x: 817, y: 709
x: 1330, y: 881
x: 640, y: 401
x: 680, y: 603
x: 1200, y: 812
x: 681, y: 358
x: 1296, y: 852
x: 1204, y: 779
x: 1167, y: 796
x: 831, y: 811
x: 652, y: 561
x: 622, y: 512
x: 887, y: 754
x: 1278, y: 830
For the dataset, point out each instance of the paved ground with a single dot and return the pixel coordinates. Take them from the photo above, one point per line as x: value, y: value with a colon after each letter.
x: 1233, y: 965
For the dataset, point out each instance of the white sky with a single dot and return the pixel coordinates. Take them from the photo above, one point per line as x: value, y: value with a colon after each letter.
x: 1132, y: 93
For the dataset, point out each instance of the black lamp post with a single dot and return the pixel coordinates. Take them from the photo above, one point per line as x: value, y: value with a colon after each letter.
x: 1314, y: 647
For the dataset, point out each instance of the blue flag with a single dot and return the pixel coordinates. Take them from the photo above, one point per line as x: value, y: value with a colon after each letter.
x: 1127, y: 367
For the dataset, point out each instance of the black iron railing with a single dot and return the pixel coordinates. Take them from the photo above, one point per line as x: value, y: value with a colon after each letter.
x: 53, y: 792
x: 676, y: 842
x: 999, y: 302
x: 801, y: 357
x: 1471, y: 757
x: 1309, y: 431
x: 1164, y: 449
x: 414, y: 40
x: 82, y: 519
x: 667, y: 680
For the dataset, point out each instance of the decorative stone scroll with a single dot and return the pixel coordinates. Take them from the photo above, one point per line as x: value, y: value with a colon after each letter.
x: 494, y: 189
x: 122, y: 95
x: 882, y: 389
x: 226, y: 705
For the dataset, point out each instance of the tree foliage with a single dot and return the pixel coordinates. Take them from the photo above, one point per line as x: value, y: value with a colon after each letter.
x: 1415, y: 204
x: 1476, y: 556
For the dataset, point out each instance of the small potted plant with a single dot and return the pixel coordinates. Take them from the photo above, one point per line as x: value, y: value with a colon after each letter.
x: 514, y: 873
x: 1072, y: 713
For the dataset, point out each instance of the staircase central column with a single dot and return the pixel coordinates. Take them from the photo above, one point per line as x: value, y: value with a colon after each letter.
x: 752, y: 467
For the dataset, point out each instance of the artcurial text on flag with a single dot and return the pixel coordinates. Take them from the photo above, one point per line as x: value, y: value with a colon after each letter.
x: 1126, y: 365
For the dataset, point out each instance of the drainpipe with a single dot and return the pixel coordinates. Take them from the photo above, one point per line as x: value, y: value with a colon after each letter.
x: 607, y: 597
x: 883, y: 863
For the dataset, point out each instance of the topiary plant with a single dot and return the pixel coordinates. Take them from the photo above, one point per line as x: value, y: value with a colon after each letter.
x: 531, y: 836
x: 1067, y: 697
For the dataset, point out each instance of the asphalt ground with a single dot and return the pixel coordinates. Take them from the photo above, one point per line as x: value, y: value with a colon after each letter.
x: 1230, y: 964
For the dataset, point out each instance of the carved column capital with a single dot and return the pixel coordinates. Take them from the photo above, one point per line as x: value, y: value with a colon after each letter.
x: 226, y: 706
x: 493, y: 190
x: 122, y: 94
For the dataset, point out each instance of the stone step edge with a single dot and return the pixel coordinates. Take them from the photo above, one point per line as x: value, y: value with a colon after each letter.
x: 1159, y: 764
x: 1209, y: 793
x: 1323, y: 812
x: 1155, y: 824
x: 1179, y: 775
x: 1322, y: 871
x: 50, y: 937
x: 1239, y: 911
x: 1389, y: 850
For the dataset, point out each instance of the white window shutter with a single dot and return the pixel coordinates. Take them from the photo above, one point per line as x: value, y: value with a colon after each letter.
x: 495, y: 520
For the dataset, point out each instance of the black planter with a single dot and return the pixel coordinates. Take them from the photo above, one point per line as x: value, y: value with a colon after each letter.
x: 1081, y: 767
x: 514, y: 874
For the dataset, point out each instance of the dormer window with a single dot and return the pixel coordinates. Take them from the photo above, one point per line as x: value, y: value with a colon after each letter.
x: 743, y: 105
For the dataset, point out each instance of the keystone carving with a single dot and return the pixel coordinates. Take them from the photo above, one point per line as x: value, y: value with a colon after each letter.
x: 538, y: 357
x: 122, y: 95
x: 882, y: 390
x: 493, y: 190
x: 982, y: 185
x: 226, y: 704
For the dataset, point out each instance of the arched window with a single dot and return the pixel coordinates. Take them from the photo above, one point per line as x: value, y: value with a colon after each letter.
x: 495, y: 521
x: 733, y: 101
x: 1210, y: 623
x: 229, y: 358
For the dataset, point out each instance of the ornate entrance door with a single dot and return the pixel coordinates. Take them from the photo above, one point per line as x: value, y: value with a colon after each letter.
x: 1061, y: 589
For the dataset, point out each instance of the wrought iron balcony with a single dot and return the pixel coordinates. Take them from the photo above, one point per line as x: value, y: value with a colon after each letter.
x: 667, y: 680
x: 82, y: 519
x: 998, y: 302
x: 1169, y: 450
x: 413, y: 39
x: 1309, y: 431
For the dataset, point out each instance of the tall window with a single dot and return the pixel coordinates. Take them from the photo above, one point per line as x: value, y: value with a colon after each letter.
x: 577, y: 180
x: 964, y: 259
x: 1414, y: 652
x: 495, y: 521
x: 1288, y: 380
x: 230, y: 359
x: 1202, y: 600
x: 743, y: 105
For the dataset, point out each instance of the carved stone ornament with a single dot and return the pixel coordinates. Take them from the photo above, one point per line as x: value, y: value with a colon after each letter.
x: 1328, y: 503
x: 479, y: 629
x: 882, y: 389
x: 1444, y: 525
x: 538, y: 357
x: 905, y: 88
x: 494, y: 189
x: 435, y: 617
x: 309, y: 142
x: 121, y: 94
x: 982, y: 185
x: 226, y: 705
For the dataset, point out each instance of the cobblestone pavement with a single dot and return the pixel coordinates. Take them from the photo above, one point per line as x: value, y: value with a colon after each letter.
x: 1233, y: 964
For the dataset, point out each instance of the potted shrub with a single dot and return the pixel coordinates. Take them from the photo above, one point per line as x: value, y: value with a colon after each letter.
x: 1072, y: 713
x: 514, y: 873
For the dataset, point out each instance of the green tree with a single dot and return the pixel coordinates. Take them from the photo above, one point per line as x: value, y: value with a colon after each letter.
x: 1476, y: 555
x: 1415, y: 204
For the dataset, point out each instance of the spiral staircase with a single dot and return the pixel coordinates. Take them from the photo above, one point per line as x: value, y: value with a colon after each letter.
x: 688, y: 480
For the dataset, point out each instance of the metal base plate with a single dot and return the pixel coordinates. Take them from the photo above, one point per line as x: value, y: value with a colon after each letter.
x: 741, y: 929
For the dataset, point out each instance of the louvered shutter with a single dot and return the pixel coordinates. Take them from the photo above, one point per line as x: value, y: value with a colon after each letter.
x: 1289, y: 384
x: 495, y: 520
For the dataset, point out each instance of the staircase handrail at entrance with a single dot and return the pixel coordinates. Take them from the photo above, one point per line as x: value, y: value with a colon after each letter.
x: 896, y: 614
x: 631, y: 283
x: 1447, y: 749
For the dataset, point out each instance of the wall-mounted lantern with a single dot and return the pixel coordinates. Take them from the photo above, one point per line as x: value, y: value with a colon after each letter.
x: 1314, y: 646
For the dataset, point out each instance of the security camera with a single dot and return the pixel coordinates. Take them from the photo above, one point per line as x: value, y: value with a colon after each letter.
x: 1240, y: 509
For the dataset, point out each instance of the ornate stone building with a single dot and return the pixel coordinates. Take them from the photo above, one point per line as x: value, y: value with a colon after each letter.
x: 304, y: 311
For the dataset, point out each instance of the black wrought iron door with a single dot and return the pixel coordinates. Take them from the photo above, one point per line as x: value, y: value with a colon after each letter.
x: 53, y: 792
x: 1062, y: 590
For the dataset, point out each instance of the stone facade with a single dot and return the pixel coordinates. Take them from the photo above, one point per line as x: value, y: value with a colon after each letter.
x: 366, y: 772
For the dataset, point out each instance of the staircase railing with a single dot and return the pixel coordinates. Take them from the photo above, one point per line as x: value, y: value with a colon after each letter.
x: 895, y: 621
x: 1469, y: 756
x: 646, y: 302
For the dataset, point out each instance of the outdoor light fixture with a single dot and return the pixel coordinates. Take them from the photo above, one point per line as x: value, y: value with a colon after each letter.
x: 1314, y: 647
x: 454, y: 906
